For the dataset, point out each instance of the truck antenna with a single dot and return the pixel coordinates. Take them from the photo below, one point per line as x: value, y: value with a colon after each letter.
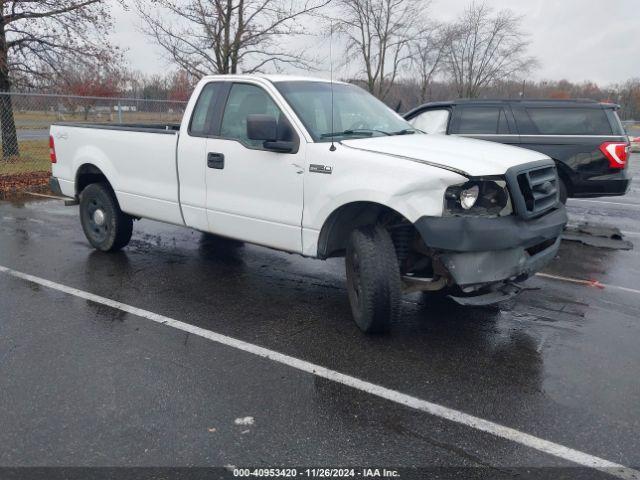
x: 332, y: 148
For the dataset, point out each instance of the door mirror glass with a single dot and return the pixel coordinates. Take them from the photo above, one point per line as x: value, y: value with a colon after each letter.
x: 262, y: 127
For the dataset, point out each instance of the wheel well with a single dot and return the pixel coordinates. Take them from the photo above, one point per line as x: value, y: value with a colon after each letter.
x: 564, y: 176
x: 335, y: 232
x: 88, y: 174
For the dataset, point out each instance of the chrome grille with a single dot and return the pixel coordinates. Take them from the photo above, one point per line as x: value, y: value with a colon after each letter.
x: 534, y: 188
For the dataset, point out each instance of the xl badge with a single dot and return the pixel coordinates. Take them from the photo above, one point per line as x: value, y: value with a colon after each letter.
x: 326, y: 169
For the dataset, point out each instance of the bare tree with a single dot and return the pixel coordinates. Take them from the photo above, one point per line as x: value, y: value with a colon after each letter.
x: 228, y: 36
x: 427, y: 53
x: 628, y: 95
x: 483, y: 48
x: 35, y: 37
x: 89, y: 82
x: 379, y: 36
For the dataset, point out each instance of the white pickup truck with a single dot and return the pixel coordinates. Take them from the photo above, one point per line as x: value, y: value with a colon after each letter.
x: 323, y: 169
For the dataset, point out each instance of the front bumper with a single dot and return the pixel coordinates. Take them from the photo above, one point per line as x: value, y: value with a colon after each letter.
x: 479, y: 268
x: 478, y: 251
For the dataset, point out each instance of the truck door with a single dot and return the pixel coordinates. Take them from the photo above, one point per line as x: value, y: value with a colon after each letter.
x: 254, y: 194
x: 192, y: 148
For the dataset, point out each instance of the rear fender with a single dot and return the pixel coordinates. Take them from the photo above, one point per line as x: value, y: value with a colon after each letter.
x: 92, y: 156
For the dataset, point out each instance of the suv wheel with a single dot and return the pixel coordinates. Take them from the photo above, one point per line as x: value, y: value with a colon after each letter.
x: 106, y: 227
x: 373, y: 279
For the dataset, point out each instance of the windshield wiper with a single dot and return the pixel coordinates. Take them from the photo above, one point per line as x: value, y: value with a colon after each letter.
x: 405, y: 131
x: 357, y: 131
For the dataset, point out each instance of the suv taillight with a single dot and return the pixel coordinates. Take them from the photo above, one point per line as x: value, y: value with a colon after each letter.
x: 616, y: 152
x: 52, y: 150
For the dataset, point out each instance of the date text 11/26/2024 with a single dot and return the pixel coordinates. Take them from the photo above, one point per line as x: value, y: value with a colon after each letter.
x: 315, y: 473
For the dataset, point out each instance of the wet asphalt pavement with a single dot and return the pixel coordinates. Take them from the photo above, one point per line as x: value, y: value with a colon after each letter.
x: 83, y: 384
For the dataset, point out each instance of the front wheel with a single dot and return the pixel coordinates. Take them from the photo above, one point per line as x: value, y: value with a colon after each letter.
x: 107, y: 228
x: 373, y: 279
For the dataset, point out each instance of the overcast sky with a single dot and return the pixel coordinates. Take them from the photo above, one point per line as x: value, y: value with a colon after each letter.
x: 578, y: 40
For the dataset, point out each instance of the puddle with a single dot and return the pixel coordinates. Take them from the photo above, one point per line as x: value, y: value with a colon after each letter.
x: 600, y: 236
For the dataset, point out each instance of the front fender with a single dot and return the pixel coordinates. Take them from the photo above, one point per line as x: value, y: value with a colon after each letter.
x: 411, y: 189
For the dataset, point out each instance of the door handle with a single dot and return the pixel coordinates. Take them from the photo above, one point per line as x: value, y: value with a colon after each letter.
x: 299, y: 169
x: 215, y: 160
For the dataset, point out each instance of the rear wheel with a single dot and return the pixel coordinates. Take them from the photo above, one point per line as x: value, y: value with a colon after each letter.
x: 106, y: 227
x: 373, y: 279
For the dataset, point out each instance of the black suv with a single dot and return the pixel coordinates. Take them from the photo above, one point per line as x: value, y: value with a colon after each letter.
x: 584, y: 137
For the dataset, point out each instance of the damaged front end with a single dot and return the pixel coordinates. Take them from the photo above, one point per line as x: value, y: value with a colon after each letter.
x: 494, y: 233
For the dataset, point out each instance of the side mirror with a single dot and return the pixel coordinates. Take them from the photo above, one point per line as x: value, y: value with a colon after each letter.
x: 262, y: 127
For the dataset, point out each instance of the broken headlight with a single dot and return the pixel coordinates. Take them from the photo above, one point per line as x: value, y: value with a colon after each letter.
x: 478, y: 198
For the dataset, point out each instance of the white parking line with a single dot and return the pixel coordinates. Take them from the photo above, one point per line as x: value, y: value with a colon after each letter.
x: 588, y: 283
x: 604, y: 202
x: 400, y: 398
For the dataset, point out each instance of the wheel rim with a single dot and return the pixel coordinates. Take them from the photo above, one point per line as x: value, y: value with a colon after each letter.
x: 98, y: 217
x: 97, y: 220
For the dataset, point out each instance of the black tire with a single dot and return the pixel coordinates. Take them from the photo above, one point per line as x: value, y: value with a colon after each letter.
x: 373, y: 279
x: 110, y: 230
x: 563, y: 192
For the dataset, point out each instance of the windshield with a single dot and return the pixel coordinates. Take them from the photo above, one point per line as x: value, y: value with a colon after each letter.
x: 357, y: 114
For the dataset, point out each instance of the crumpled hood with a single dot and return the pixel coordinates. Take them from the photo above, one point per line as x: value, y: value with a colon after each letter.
x: 474, y: 157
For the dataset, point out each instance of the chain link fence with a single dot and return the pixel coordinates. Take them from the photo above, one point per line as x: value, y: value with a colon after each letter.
x: 25, y: 119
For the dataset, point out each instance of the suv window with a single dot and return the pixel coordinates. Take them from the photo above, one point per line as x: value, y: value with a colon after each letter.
x: 569, y: 121
x: 616, y: 123
x: 205, y: 109
x: 245, y: 100
x: 432, y: 121
x: 483, y: 120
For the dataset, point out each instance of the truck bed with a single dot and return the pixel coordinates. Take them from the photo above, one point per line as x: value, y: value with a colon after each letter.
x: 139, y: 160
x: 166, y: 128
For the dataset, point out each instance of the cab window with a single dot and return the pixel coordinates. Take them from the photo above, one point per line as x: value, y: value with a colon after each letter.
x: 244, y: 100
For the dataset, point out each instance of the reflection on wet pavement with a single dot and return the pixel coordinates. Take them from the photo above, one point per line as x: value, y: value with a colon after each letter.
x: 560, y: 361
